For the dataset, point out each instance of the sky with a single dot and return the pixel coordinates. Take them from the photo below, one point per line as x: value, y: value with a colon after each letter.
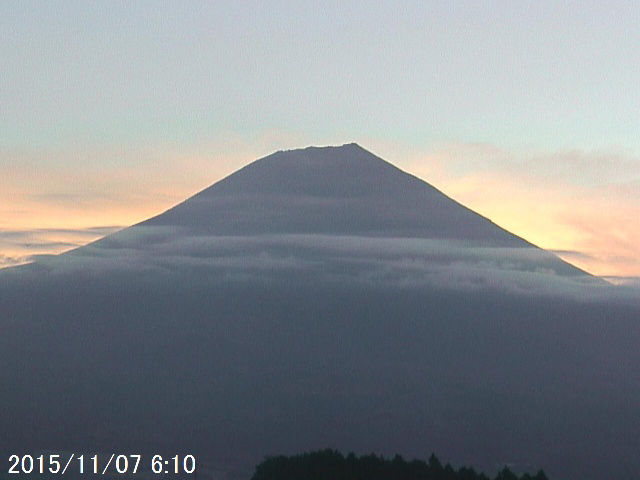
x: 526, y: 112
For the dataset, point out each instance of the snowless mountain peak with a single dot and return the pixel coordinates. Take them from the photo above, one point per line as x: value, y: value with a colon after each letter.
x: 343, y: 190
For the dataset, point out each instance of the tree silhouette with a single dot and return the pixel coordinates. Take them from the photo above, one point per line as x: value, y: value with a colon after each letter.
x: 332, y: 465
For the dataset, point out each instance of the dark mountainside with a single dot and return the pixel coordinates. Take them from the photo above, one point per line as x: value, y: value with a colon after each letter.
x: 321, y: 297
x: 331, y: 191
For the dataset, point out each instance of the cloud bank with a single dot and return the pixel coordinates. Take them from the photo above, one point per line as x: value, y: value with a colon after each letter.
x: 396, y: 262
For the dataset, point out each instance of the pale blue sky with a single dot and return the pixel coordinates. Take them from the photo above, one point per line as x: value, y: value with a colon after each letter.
x: 111, y: 111
x: 518, y: 74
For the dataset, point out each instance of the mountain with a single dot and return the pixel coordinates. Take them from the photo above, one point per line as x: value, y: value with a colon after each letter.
x: 321, y: 298
x: 338, y: 192
x: 331, y: 191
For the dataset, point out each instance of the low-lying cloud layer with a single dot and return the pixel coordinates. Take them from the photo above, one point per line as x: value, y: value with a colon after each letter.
x: 23, y: 246
x: 397, y: 262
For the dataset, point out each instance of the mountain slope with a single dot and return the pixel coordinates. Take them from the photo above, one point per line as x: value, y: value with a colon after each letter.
x: 333, y: 190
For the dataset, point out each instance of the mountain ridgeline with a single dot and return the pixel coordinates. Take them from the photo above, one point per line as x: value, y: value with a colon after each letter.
x: 321, y: 297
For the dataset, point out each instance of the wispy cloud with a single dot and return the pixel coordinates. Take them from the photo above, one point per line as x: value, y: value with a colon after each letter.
x: 22, y: 246
x: 626, y: 281
x: 10, y: 261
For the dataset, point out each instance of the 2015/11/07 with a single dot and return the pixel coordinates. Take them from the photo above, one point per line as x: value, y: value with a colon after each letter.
x: 27, y: 464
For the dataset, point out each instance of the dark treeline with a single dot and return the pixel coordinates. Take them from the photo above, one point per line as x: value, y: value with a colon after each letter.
x: 332, y: 465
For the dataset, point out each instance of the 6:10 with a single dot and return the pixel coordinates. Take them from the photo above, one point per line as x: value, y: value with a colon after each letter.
x: 158, y: 465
